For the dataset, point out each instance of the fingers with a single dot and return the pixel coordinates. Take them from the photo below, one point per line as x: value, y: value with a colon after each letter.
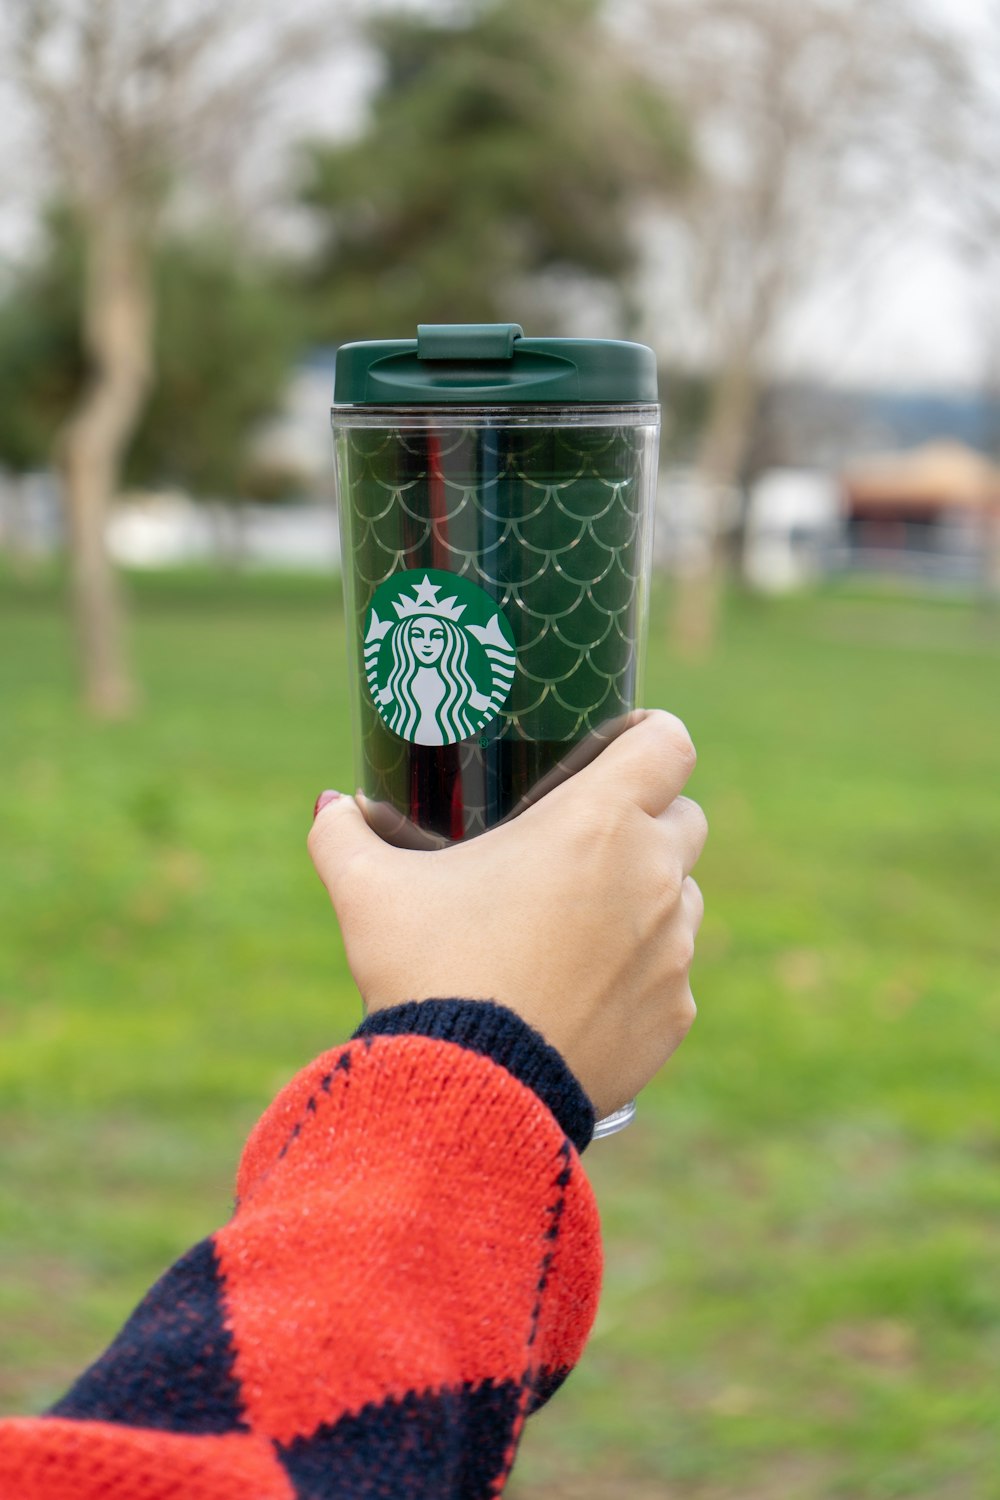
x: 339, y: 837
x: 650, y: 762
x: 687, y: 829
x: 582, y: 754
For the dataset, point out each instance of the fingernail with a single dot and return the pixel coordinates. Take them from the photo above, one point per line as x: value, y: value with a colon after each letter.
x: 323, y: 800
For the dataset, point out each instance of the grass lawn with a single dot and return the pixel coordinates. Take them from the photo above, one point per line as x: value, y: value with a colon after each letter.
x: 802, y: 1294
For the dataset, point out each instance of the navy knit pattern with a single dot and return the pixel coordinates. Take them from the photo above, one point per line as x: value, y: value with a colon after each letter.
x: 171, y: 1367
x: 545, y: 1386
x: 410, y: 1272
x: 498, y: 1033
x: 424, y: 1445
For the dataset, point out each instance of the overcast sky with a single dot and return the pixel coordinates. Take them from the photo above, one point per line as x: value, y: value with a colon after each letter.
x: 910, y: 314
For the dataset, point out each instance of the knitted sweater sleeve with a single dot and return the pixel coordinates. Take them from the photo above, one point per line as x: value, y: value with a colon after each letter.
x: 411, y: 1269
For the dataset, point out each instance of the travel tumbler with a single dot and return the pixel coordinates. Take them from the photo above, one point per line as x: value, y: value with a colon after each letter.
x: 496, y: 498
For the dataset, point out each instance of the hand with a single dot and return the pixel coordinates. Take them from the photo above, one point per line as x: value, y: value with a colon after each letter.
x: 580, y: 914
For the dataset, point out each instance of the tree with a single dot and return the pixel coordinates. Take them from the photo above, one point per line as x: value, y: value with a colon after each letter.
x: 503, y: 147
x: 229, y: 330
x: 224, y: 343
x: 131, y: 99
x: 42, y: 362
x: 812, y: 121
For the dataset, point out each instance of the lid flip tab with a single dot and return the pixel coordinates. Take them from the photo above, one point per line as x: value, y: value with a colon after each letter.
x: 492, y: 364
x: 467, y: 341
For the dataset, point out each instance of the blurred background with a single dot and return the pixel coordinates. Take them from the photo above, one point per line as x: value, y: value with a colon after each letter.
x: 795, y: 202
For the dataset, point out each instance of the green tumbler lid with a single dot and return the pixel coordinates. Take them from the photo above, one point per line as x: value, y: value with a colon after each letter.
x: 486, y: 364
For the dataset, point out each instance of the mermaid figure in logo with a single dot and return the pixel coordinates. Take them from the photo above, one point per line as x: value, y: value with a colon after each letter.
x: 429, y: 683
x: 429, y: 695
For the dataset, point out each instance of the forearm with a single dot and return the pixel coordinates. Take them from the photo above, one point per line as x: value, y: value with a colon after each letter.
x: 412, y: 1266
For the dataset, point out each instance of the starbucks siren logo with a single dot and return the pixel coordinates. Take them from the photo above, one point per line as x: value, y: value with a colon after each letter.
x: 439, y: 666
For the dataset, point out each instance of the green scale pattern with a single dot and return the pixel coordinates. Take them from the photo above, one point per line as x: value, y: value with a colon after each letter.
x: 553, y: 523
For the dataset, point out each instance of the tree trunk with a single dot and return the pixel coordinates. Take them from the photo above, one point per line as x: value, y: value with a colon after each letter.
x: 118, y: 339
x: 698, y: 595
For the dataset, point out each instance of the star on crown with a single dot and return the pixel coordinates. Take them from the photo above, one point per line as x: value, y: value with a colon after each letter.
x: 426, y: 602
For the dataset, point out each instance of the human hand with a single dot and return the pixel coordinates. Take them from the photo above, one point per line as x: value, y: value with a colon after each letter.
x: 580, y: 914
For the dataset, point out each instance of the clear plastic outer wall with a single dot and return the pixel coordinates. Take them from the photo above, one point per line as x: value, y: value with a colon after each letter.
x: 547, y: 510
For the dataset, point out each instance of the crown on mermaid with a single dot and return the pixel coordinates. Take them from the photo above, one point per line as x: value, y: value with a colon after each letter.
x: 426, y: 602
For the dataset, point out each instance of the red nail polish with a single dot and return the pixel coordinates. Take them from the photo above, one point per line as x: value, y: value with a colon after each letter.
x: 323, y: 800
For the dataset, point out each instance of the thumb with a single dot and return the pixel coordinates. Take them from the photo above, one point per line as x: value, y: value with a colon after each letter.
x: 650, y: 761
x: 339, y: 838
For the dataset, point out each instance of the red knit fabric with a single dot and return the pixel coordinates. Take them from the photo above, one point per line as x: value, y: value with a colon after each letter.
x: 413, y: 1262
x: 48, y: 1459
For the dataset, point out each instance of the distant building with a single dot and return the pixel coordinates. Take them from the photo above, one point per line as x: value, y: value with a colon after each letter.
x: 31, y: 517
x: 162, y: 530
x: 691, y: 514
x: 794, y: 529
x: 931, y: 512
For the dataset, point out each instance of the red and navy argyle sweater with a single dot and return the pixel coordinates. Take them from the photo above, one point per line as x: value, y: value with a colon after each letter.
x: 411, y: 1269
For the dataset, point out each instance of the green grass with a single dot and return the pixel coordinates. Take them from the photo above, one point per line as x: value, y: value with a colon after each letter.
x: 802, y: 1293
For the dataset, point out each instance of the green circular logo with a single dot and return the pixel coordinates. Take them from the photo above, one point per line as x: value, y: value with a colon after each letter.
x: 439, y: 656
